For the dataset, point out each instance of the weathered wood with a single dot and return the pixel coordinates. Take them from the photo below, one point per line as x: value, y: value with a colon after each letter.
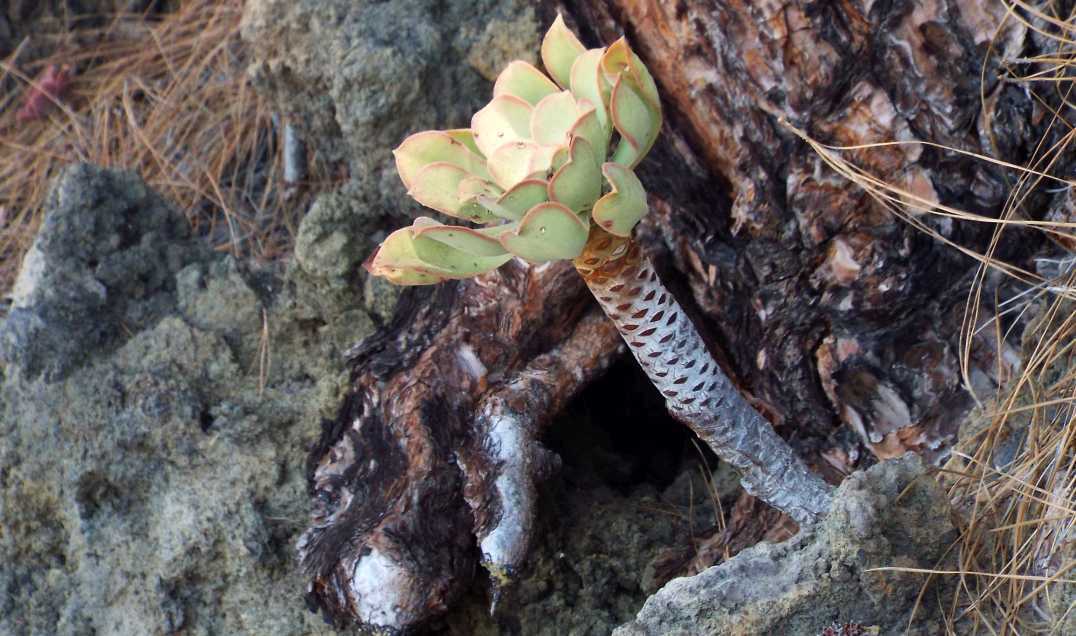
x: 438, y: 442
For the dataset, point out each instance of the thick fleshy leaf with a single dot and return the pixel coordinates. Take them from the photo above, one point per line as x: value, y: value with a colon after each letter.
x: 619, y: 59
x: 560, y: 157
x: 465, y: 137
x: 454, y: 262
x: 524, y: 81
x: 431, y: 146
x: 396, y: 261
x: 514, y: 162
x: 578, y: 184
x: 503, y: 120
x: 560, y: 47
x: 553, y: 117
x: 588, y: 127
x: 465, y: 239
x: 619, y: 210
x: 548, y: 231
x: 437, y: 186
x: 636, y: 121
x: 589, y: 83
x: 471, y: 188
x: 523, y: 196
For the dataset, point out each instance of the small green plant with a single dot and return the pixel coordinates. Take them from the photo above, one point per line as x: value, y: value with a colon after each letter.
x: 547, y: 172
x: 531, y: 167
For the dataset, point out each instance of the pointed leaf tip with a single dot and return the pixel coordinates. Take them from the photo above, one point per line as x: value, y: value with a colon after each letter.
x: 525, y: 81
x: 560, y: 47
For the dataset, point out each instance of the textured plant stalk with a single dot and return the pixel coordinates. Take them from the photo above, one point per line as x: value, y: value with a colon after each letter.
x: 697, y: 392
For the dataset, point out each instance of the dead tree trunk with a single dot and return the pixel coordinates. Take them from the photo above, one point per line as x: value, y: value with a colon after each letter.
x: 837, y: 319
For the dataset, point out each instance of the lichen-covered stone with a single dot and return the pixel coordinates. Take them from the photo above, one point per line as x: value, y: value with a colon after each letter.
x: 109, y: 248
x: 154, y: 418
x: 894, y: 514
x: 357, y: 77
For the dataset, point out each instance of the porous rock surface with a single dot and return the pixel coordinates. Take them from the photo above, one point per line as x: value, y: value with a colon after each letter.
x: 892, y: 515
x: 155, y: 409
x: 358, y: 77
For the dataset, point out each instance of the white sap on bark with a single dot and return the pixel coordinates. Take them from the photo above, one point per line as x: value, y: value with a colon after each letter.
x: 698, y: 393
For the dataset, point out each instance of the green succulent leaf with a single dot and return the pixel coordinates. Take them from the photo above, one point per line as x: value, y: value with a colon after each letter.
x: 619, y: 210
x: 589, y: 127
x: 454, y: 262
x: 553, y: 117
x: 525, y: 81
x: 437, y: 186
x: 548, y: 231
x: 514, y: 162
x: 589, y: 83
x: 465, y: 137
x: 560, y: 47
x: 523, y: 196
x: 472, y: 188
x: 396, y: 261
x: 504, y: 120
x: 464, y: 239
x: 529, y: 166
x: 432, y: 146
x: 618, y: 60
x: 636, y: 121
x: 578, y: 183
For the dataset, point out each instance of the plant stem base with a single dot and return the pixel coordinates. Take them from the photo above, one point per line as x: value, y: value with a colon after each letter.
x: 696, y: 390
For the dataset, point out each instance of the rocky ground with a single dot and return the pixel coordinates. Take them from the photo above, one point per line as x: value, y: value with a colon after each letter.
x: 158, y: 400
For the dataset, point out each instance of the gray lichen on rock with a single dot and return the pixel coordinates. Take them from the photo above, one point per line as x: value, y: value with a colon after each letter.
x: 109, y: 248
x: 154, y: 415
x: 359, y: 77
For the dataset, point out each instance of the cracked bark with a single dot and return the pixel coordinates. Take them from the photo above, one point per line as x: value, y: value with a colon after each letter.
x: 836, y: 320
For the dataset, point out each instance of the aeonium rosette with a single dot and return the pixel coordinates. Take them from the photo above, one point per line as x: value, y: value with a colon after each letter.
x: 534, y: 169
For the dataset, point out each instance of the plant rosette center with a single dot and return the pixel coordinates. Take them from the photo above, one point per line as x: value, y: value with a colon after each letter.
x: 546, y: 159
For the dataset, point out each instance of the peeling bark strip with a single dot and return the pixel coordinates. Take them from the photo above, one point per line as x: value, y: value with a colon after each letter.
x: 503, y: 494
x: 437, y: 444
x: 697, y: 392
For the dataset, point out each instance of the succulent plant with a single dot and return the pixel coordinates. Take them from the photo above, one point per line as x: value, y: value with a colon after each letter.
x: 546, y: 171
x: 548, y: 157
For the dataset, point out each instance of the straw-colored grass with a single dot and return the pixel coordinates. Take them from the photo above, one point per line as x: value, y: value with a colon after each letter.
x: 1012, y: 475
x: 167, y: 97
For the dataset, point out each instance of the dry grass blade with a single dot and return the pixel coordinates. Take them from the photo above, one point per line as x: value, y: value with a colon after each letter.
x: 168, y: 98
x: 1013, y: 475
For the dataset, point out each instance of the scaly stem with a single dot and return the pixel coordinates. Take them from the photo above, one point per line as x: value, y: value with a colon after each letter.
x: 697, y: 392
